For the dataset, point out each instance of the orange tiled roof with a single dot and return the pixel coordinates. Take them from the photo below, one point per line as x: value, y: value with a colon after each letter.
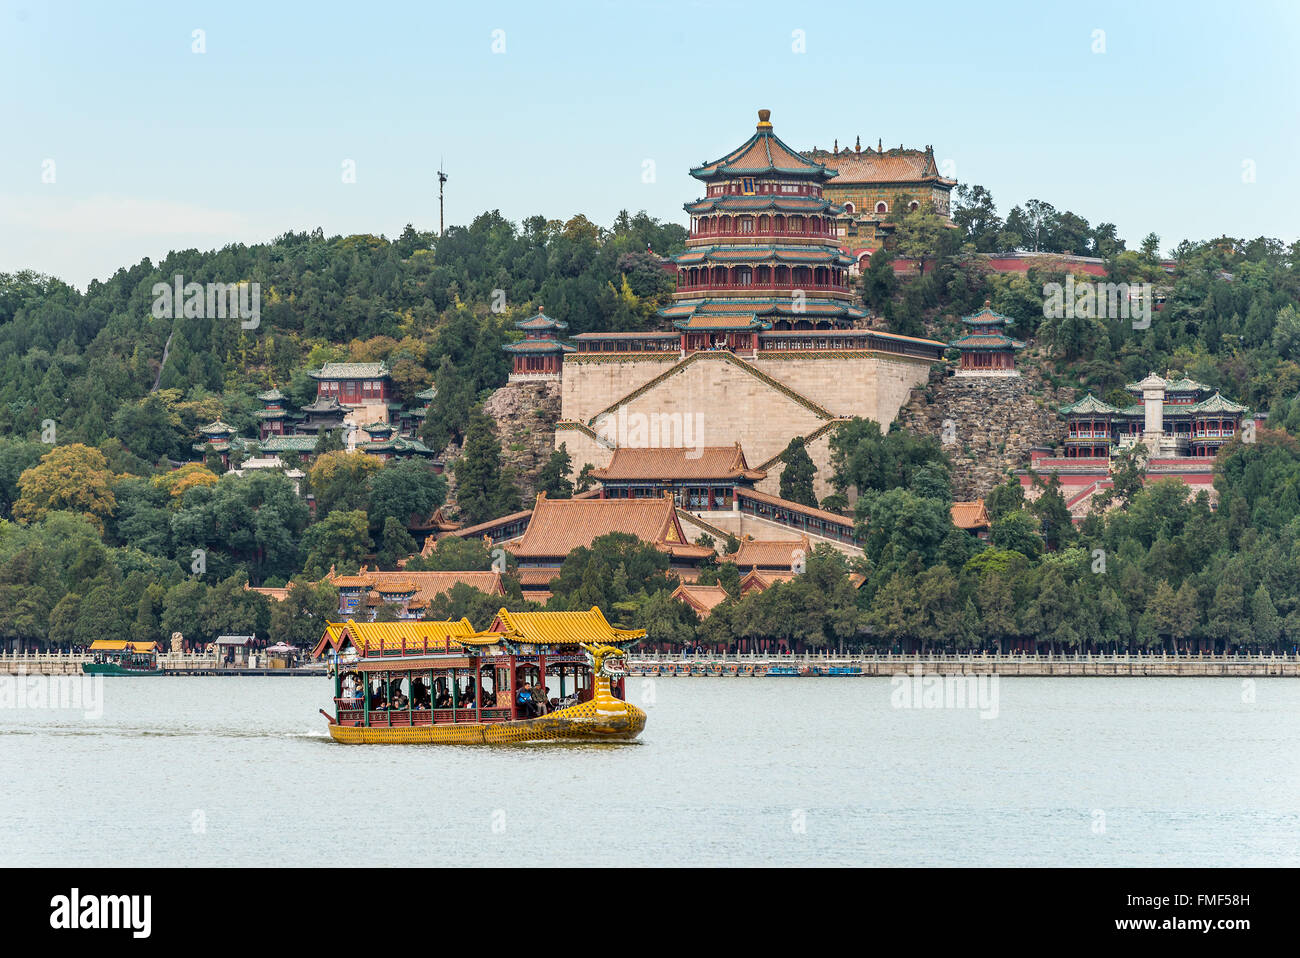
x: 426, y: 585
x: 703, y: 598
x: 769, y: 553
x: 970, y: 515
x: 759, y: 581
x: 709, y: 462
x: 558, y: 526
x: 276, y: 595
x: 812, y: 511
x: 891, y: 166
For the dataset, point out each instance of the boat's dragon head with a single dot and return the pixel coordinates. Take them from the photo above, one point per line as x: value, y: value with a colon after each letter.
x: 607, y: 661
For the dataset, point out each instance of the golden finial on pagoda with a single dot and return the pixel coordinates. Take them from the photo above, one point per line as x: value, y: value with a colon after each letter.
x: 765, y: 119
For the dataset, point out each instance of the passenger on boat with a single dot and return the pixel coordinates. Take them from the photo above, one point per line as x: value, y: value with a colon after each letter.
x: 377, y: 701
x: 420, y: 695
x: 442, y: 698
x: 400, y: 701
x: 466, y: 698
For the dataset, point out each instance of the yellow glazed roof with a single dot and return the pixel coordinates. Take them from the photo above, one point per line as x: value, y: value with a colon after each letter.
x: 121, y: 645
x: 389, y: 636
x: 561, y: 628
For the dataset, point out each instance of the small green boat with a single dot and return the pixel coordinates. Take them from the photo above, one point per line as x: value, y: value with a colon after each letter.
x: 122, y: 657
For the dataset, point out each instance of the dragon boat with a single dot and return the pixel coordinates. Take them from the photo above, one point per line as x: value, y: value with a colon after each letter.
x: 530, y: 677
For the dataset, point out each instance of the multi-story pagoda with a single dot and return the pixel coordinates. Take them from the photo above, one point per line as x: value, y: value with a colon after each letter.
x: 413, y: 419
x: 276, y: 420
x: 986, y: 350
x: 763, y: 253
x: 220, y: 437
x: 540, y: 354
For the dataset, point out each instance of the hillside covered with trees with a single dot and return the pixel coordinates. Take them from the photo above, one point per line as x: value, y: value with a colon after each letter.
x: 102, y: 532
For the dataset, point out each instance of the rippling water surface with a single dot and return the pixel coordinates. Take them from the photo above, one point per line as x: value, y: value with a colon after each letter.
x: 730, y: 771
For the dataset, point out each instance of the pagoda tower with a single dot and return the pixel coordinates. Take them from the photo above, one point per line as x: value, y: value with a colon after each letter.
x: 763, y: 251
x: 987, y: 350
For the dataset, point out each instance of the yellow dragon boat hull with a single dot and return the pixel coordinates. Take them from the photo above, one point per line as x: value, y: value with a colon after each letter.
x: 616, y: 721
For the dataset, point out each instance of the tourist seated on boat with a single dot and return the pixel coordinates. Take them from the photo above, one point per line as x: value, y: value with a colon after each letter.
x: 400, y: 701
x: 420, y: 696
x: 441, y: 695
x: 378, y: 701
x: 524, y: 699
x: 466, y: 698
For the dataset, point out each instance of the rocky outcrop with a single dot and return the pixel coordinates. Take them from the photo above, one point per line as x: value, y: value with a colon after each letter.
x: 991, y: 422
x: 524, y: 415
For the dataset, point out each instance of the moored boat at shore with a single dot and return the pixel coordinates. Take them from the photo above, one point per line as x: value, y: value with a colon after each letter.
x: 122, y: 657
x: 532, y: 676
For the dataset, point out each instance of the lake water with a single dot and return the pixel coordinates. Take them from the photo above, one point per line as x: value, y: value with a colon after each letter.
x: 729, y: 771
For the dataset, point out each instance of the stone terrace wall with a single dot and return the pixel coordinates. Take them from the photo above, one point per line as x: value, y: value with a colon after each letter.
x: 524, y: 416
x: 996, y: 420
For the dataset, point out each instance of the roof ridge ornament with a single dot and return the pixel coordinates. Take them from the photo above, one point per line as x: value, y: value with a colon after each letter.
x: 764, y: 120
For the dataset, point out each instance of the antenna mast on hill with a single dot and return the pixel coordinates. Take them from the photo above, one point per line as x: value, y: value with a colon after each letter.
x: 442, y: 179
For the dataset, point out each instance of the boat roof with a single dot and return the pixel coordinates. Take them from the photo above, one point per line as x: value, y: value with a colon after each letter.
x: 122, y: 645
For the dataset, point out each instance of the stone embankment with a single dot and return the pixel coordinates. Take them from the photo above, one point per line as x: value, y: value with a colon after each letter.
x: 987, y: 424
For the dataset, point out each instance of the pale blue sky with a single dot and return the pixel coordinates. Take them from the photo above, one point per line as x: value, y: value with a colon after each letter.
x: 157, y: 147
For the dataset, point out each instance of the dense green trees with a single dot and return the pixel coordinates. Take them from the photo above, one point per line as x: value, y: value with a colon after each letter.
x: 797, y: 476
x: 485, y: 488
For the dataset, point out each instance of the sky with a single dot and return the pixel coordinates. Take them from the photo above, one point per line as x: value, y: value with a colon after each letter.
x: 124, y: 133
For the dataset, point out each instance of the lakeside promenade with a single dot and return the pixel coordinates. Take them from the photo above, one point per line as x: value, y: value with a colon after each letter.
x: 1236, y: 665
x: 175, y: 664
x: 1195, y: 665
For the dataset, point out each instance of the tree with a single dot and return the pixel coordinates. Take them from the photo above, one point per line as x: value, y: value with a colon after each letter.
x: 395, y: 543
x: 404, y: 489
x: 177, y: 482
x: 484, y: 489
x: 183, y: 611
x: 1004, y: 498
x: 553, y: 478
x: 1017, y: 531
x: 341, y: 540
x: 72, y: 478
x: 1266, y: 624
x: 299, y: 619
x: 797, y: 476
x: 976, y: 215
x: 340, y: 480
x: 454, y: 554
